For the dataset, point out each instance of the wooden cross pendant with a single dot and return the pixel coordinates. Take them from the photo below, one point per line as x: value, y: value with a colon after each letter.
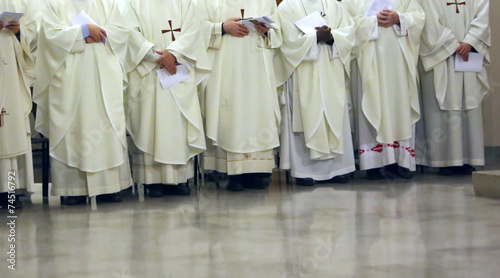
x: 456, y: 4
x: 172, y: 30
x: 243, y: 15
x: 2, y: 114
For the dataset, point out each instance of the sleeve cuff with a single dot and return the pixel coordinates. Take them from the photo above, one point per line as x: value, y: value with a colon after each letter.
x: 474, y: 42
x: 217, y: 29
x: 85, y: 31
x: 374, y: 30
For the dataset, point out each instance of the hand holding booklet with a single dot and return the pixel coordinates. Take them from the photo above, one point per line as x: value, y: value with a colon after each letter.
x: 264, y: 21
x: 7, y: 17
x: 376, y: 6
x: 167, y: 80
x: 475, y: 63
x: 309, y: 23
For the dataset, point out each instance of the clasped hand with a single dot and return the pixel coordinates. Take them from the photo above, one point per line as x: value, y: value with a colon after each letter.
x: 234, y: 28
x: 463, y: 50
x: 167, y: 61
x: 387, y: 18
x: 96, y: 34
x: 324, y: 34
x: 13, y: 26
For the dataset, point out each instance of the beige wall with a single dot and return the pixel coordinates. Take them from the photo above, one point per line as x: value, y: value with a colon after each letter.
x: 492, y: 103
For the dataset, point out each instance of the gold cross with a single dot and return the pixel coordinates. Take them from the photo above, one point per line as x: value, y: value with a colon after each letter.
x: 172, y: 30
x: 2, y: 114
x: 456, y: 4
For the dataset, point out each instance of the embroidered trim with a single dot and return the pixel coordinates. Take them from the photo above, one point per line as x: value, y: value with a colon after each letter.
x: 240, y: 160
x: 380, y: 148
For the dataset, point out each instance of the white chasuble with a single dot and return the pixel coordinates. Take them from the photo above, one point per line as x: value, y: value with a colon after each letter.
x: 242, y: 109
x: 448, y: 24
x: 315, y: 100
x: 388, y: 65
x: 16, y: 77
x: 387, y: 103
x: 451, y: 132
x: 79, y: 92
x: 242, y: 112
x: 165, y: 124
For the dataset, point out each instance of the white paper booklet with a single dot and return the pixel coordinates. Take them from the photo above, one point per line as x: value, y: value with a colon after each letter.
x: 6, y: 17
x: 168, y: 80
x: 82, y: 18
x: 250, y: 23
x: 376, y: 6
x: 475, y: 63
x: 309, y: 23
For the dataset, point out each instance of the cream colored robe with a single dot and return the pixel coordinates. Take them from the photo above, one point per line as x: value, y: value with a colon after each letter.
x: 316, y: 137
x: 240, y: 97
x: 165, y: 124
x: 318, y: 76
x: 16, y: 76
x: 79, y: 92
x: 388, y: 67
x: 386, y: 95
x: 451, y: 132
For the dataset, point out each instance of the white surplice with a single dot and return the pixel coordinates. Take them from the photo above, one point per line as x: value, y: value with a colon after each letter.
x: 79, y: 92
x: 166, y: 124
x: 387, y: 101
x: 451, y: 131
x: 316, y: 137
x: 240, y: 97
x: 16, y: 76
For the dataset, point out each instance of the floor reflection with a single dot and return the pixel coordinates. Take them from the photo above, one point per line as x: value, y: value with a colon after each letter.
x: 427, y: 227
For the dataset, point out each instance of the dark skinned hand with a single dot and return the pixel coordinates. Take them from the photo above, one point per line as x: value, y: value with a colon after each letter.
x: 324, y: 34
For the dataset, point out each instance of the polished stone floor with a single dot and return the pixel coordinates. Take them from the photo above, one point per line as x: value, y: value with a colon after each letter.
x: 430, y: 226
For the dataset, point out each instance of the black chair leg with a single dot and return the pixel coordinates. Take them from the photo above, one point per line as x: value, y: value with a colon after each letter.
x: 45, y: 169
x: 196, y: 170
x: 288, y: 177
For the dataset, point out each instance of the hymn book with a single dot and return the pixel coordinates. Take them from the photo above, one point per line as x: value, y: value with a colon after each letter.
x: 309, y: 23
x: 7, y: 17
x: 251, y: 22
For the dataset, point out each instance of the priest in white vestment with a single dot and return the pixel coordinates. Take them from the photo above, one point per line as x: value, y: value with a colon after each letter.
x: 387, y: 105
x: 165, y: 125
x: 450, y: 135
x: 241, y: 101
x: 17, y: 71
x: 79, y: 92
x: 316, y: 142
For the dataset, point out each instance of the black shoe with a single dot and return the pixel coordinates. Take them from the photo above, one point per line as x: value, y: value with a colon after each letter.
x: 340, y: 179
x: 74, y: 200
x: 446, y: 171
x: 4, y: 202
x: 304, y: 182
x: 395, y: 169
x: 374, y: 174
x: 109, y: 198
x: 235, y: 183
x: 466, y: 170
x: 256, y: 181
x: 154, y: 190
x: 181, y: 189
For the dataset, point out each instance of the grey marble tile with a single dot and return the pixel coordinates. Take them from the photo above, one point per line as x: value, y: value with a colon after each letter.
x: 430, y: 226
